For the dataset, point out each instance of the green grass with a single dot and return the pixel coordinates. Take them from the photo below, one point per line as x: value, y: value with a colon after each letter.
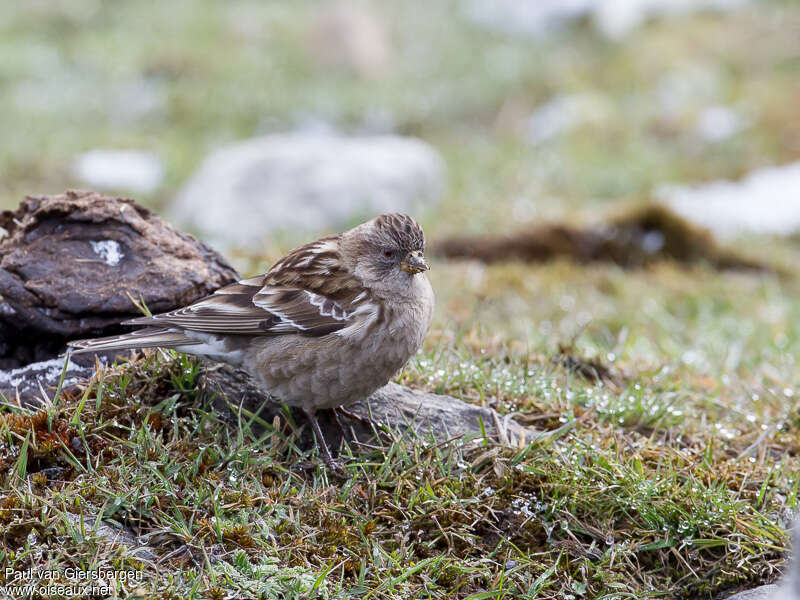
x: 664, y: 487
x: 628, y: 502
x: 681, y: 472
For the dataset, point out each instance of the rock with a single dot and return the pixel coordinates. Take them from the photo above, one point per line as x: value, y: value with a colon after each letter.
x: 129, y: 170
x: 24, y: 385
x: 227, y: 389
x: 414, y: 412
x: 72, y: 264
x: 766, y: 201
x: 765, y: 592
x: 306, y: 182
x: 111, y: 533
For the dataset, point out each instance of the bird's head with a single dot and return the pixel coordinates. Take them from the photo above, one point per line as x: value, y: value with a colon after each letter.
x: 386, y: 253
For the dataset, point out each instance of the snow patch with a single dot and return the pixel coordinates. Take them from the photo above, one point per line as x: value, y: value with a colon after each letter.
x: 109, y: 251
x: 767, y: 201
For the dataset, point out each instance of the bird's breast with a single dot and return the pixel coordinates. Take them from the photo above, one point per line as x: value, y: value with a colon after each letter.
x: 336, y: 369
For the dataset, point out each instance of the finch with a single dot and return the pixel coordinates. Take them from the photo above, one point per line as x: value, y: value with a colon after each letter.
x: 326, y: 326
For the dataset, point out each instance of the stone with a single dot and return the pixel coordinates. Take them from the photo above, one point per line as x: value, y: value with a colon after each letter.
x: 764, y: 592
x: 305, y: 182
x: 431, y: 417
x: 414, y: 413
x: 33, y: 385
x: 73, y: 265
x: 111, y: 533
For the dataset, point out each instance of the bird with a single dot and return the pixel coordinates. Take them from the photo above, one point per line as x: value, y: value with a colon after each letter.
x: 327, y: 325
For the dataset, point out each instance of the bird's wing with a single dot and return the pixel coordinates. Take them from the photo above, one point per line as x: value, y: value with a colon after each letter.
x: 307, y: 292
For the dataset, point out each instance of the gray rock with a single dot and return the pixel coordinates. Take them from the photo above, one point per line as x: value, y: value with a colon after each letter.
x: 413, y: 413
x: 760, y: 593
x: 25, y: 385
x: 443, y: 417
x: 112, y: 533
x: 305, y: 182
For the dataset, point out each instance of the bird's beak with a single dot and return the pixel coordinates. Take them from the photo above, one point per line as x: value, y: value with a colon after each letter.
x: 414, y: 263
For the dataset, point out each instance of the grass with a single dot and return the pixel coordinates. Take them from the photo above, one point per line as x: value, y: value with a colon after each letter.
x: 674, y: 482
x: 680, y: 475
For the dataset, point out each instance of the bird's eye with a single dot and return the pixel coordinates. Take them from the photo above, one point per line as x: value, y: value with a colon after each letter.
x: 388, y: 253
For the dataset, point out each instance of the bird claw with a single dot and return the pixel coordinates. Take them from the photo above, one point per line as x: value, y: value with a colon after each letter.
x: 336, y: 467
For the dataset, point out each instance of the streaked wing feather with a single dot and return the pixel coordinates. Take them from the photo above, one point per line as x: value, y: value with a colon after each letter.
x: 144, y: 338
x: 301, y: 311
x: 303, y: 293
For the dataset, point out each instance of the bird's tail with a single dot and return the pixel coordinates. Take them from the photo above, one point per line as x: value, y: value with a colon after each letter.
x: 150, y: 337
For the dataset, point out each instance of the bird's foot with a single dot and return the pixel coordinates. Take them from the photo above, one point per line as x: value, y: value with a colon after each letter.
x: 334, y: 466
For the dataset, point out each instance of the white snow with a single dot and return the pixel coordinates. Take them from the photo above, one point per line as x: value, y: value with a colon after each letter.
x: 132, y: 170
x: 767, y: 201
x: 109, y: 251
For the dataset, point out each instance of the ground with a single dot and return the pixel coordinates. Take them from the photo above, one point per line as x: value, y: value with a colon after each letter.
x: 681, y: 473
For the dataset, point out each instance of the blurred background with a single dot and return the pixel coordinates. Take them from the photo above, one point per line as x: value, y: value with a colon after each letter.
x: 259, y: 124
x: 517, y: 110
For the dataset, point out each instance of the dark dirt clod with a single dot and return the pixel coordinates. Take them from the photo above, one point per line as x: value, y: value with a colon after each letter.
x: 589, y: 369
x: 637, y: 239
x: 56, y: 285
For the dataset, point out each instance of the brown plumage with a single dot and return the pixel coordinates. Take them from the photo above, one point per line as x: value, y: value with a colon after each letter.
x: 327, y: 325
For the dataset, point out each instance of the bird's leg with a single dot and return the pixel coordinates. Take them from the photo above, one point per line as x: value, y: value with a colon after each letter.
x: 323, y: 446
